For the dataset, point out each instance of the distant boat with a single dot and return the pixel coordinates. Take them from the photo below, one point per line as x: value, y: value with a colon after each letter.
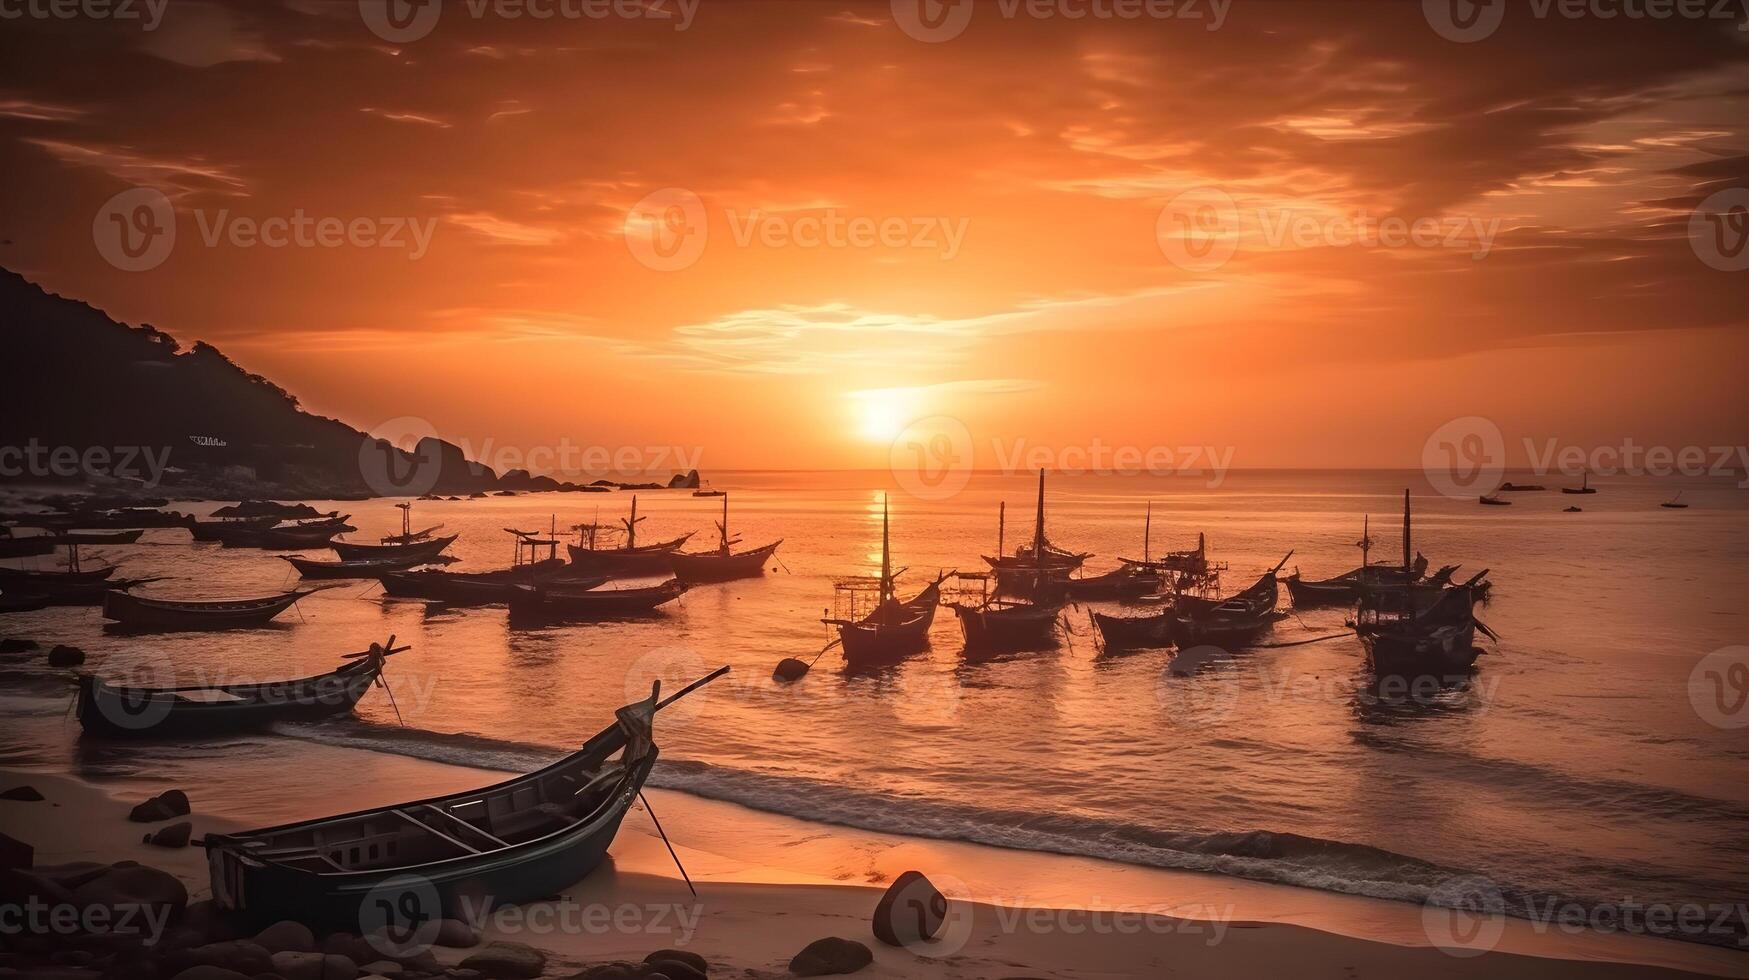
x: 1521, y: 487
x: 1196, y: 586
x: 407, y: 535
x: 1674, y: 502
x: 515, y: 841
x: 708, y: 491
x: 99, y: 537
x: 1583, y: 487
x: 1495, y: 501
x: 1573, y: 510
x: 417, y: 549
x: 498, y: 585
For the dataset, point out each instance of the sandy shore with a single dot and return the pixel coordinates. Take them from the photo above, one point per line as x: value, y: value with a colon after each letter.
x: 749, y: 918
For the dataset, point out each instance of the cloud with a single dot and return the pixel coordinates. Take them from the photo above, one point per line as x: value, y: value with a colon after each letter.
x: 171, y: 175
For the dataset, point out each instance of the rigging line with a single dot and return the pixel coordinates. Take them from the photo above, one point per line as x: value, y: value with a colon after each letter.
x: 1300, y: 643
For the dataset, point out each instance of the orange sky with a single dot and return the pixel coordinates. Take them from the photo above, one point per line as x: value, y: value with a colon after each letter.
x: 1024, y: 170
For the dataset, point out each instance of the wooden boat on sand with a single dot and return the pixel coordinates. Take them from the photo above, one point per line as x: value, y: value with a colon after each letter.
x: 117, y: 710
x: 514, y: 841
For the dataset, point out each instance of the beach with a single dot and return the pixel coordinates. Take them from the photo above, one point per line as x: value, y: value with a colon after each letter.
x: 751, y: 915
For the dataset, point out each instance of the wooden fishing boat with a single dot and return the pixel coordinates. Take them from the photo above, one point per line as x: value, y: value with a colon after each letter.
x: 1236, y: 621
x: 1416, y: 629
x: 515, y: 841
x: 14, y: 602
x: 408, y: 535
x: 723, y: 564
x: 99, y: 537
x: 1194, y: 584
x: 1521, y: 487
x: 358, y: 568
x: 1573, y: 510
x: 487, y: 588
x: 217, y: 530
x: 1006, y: 625
x: 873, y: 625
x: 144, y: 613
x: 1129, y: 579
x: 417, y: 549
x: 115, y: 710
x: 28, y: 546
x: 274, y: 537
x: 338, y: 524
x: 1039, y: 569
x: 1675, y: 503
x: 583, y: 598
x: 1345, y: 589
x: 1583, y: 487
x: 1495, y: 501
x: 590, y: 554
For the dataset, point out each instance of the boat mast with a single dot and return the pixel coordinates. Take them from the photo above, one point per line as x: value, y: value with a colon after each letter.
x: 1365, y: 542
x: 724, y: 527
x: 1147, y: 530
x: 1408, y: 564
x: 1001, y: 524
x: 1038, y: 531
x: 886, y: 557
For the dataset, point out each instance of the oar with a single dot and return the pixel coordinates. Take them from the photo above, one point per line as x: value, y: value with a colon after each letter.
x: 664, y: 833
x: 695, y: 685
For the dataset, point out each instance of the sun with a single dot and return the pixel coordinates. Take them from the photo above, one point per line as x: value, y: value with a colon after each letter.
x: 880, y: 414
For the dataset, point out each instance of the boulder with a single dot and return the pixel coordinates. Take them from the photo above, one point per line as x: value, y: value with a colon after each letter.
x: 61, y: 655
x: 15, y: 853
x: 239, y: 955
x: 16, y: 646
x: 687, y: 958
x: 292, y: 965
x: 128, y: 884
x: 209, y: 973
x: 382, y: 968
x: 517, y: 961
x: 286, y: 936
x: 22, y: 794
x: 673, y: 970
x: 209, y: 919
x: 175, y: 835
x: 618, y: 970
x: 18, y: 888
x: 789, y: 670
x: 456, y: 934
x: 460, y: 974
x: 164, y: 806
x: 343, y: 944
x: 830, y: 957
x: 75, y: 873
x: 911, y: 911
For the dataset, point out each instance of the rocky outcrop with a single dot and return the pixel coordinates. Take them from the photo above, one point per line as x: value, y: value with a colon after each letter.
x: 167, y: 805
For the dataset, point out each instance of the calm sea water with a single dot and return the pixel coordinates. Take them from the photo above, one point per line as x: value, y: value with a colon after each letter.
x: 1572, y: 765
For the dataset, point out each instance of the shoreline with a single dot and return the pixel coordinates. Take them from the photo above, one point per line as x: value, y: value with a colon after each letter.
x: 768, y: 885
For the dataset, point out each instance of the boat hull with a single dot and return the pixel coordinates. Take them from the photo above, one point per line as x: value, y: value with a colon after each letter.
x: 1448, y: 650
x: 718, y: 567
x: 990, y: 629
x: 1135, y: 632
x: 119, y: 712
x: 654, y: 559
x: 138, y: 613
x: 418, y: 549
x: 575, y: 602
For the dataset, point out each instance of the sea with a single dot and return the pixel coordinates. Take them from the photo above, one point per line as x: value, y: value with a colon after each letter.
x: 1593, y: 764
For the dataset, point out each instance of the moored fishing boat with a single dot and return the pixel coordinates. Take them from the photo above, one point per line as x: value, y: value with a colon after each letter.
x: 119, y: 710
x: 486, y: 588
x: 1583, y: 487
x: 1006, y: 625
x: 217, y: 530
x: 591, y: 554
x: 1492, y: 501
x: 358, y: 568
x: 722, y: 564
x: 1038, y: 569
x: 1346, y: 588
x: 1236, y: 621
x: 1414, y: 629
x: 85, y: 536
x: 418, y: 549
x: 135, y: 612
x: 581, y: 599
x: 518, y: 840
x: 873, y: 625
x: 1130, y: 578
x: 25, y: 546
